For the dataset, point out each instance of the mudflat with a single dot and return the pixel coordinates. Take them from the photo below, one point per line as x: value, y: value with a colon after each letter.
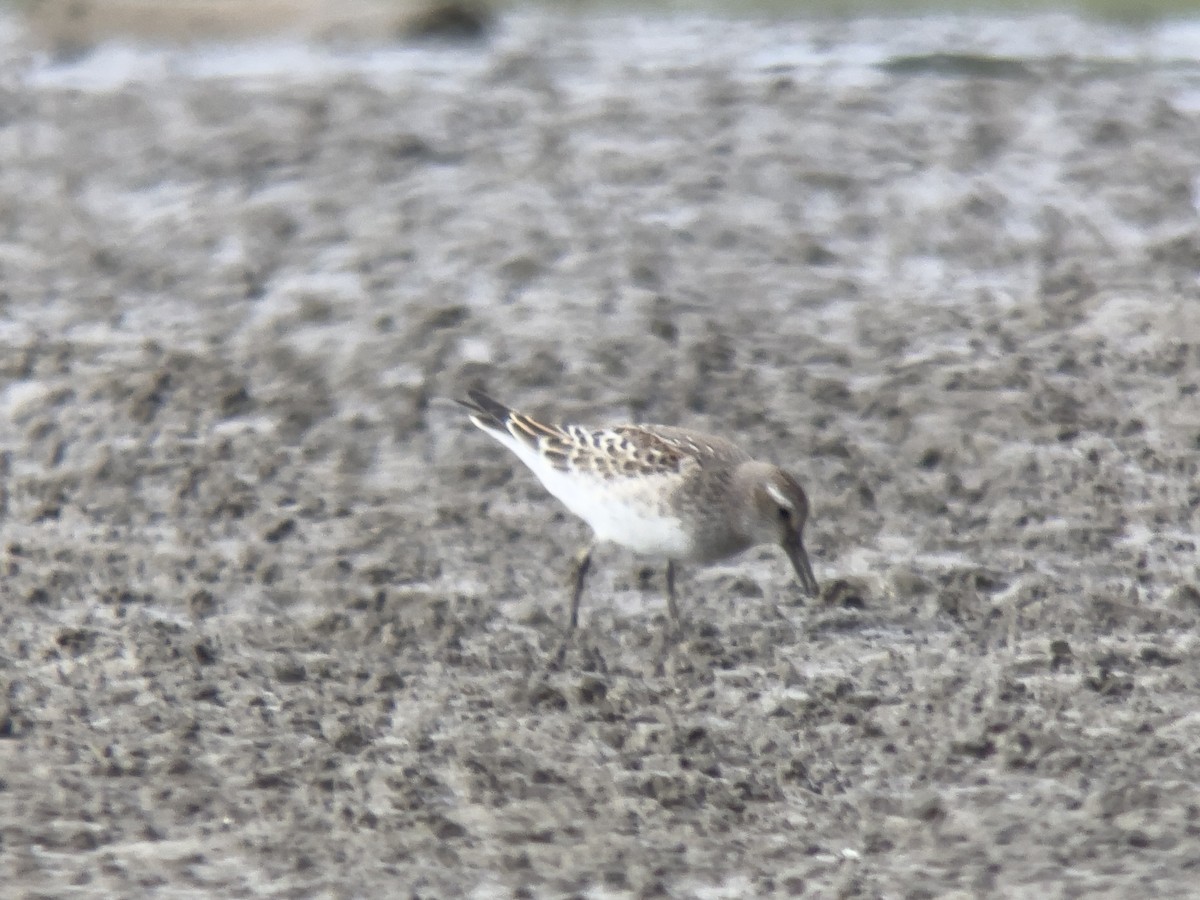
x: 275, y: 620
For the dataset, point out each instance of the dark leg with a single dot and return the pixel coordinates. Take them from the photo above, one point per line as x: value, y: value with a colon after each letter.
x: 672, y: 608
x: 583, y: 562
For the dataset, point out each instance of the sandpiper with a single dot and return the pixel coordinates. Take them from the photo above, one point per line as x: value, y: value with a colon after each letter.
x: 667, y: 492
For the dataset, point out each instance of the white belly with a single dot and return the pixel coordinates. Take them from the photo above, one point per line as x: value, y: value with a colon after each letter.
x: 639, y: 530
x: 618, y: 511
x: 620, y: 514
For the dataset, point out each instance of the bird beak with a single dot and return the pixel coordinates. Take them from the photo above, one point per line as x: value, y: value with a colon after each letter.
x: 798, y: 556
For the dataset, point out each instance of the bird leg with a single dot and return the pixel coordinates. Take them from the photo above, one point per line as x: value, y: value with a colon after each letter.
x: 583, y: 562
x: 672, y: 608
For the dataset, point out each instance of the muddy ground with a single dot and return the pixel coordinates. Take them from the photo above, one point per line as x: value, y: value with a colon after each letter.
x: 275, y: 619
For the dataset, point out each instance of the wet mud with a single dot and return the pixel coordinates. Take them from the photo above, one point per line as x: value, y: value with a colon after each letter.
x: 275, y: 620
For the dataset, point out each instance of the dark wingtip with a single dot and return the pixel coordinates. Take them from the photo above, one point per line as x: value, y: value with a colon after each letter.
x: 480, y: 404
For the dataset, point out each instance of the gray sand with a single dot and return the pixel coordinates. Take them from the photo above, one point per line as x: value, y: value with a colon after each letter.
x: 274, y: 618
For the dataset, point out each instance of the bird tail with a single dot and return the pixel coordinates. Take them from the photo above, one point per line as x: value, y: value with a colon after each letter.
x: 492, y: 415
x: 488, y: 414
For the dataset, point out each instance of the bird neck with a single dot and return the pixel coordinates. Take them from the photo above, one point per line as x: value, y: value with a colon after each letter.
x: 747, y: 490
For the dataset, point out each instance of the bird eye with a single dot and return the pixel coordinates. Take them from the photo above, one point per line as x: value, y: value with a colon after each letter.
x: 785, y: 513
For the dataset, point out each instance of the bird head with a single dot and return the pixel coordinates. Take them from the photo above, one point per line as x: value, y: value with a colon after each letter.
x: 781, y: 511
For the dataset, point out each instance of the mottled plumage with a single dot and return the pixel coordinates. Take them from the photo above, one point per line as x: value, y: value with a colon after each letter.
x: 662, y: 491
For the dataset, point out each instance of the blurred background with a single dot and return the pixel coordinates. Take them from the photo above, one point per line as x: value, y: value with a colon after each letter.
x: 274, y: 618
x: 75, y: 24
